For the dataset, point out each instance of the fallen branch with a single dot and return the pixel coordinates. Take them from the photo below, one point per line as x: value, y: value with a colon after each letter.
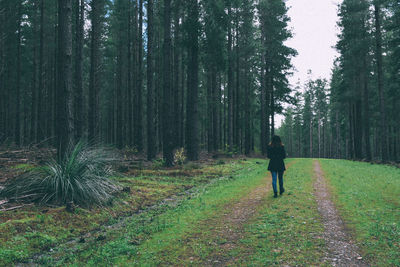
x: 16, y: 207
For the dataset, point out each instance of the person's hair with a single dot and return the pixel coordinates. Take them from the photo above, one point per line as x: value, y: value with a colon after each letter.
x: 276, y: 141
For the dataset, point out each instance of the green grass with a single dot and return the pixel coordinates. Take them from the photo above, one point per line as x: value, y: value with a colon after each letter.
x: 287, y: 231
x: 368, y: 199
x: 283, y: 231
x: 159, y: 237
x: 53, y: 226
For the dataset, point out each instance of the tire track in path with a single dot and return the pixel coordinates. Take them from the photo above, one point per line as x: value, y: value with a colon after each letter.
x: 229, y: 226
x: 342, y: 251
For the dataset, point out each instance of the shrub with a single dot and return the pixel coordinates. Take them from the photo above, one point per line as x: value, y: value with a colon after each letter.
x: 158, y: 163
x: 179, y: 156
x: 82, y: 178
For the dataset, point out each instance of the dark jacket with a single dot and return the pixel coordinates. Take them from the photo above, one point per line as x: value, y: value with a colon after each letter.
x: 276, y: 154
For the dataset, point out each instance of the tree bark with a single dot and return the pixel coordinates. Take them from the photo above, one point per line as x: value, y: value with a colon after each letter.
x: 192, y: 127
x: 64, y: 93
x: 39, y: 114
x: 95, y: 65
x: 230, y: 80
x: 139, y: 88
x: 167, y: 109
x: 78, y: 103
x: 378, y: 43
x: 17, y: 134
x: 263, y: 117
x: 151, y: 147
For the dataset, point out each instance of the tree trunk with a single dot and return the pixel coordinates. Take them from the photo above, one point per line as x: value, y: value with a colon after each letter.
x: 17, y: 134
x: 78, y: 103
x: 139, y: 86
x: 176, y: 73
x: 129, y: 88
x: 247, y: 118
x: 378, y: 40
x: 119, y: 84
x: 64, y: 93
x: 263, y: 117
x: 151, y: 147
x: 33, y: 128
x: 167, y: 109
x: 192, y: 127
x: 366, y: 123
x: 230, y: 81
x: 272, y: 105
x: 39, y: 114
x: 95, y: 81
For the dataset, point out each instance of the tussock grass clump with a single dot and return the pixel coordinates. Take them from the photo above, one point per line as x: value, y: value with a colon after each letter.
x: 82, y: 178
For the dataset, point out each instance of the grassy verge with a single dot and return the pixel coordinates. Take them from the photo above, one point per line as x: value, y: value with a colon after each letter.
x: 287, y: 231
x: 160, y: 236
x: 31, y: 230
x: 368, y: 198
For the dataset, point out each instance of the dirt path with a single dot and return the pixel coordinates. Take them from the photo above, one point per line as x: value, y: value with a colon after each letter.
x: 341, y: 250
x: 230, y: 226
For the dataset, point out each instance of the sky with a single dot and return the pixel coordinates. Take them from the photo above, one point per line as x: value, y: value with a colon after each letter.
x: 313, y: 23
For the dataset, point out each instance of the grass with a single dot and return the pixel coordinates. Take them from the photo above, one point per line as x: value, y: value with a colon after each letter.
x: 81, y: 178
x: 159, y: 237
x: 287, y: 231
x: 184, y: 232
x: 54, y: 226
x: 368, y: 199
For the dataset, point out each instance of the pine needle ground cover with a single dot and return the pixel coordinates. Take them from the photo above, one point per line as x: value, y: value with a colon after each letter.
x: 368, y: 199
x: 34, y: 229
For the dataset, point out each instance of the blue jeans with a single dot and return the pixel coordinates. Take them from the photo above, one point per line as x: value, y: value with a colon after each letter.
x: 274, y: 176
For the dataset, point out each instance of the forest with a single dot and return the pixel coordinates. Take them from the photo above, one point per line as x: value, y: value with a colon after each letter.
x: 144, y: 133
x: 150, y: 76
x: 355, y: 114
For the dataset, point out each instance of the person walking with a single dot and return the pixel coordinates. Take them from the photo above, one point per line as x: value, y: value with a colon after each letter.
x: 276, y: 153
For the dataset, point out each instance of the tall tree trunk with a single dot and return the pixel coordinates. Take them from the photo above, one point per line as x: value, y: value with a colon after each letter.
x: 64, y: 94
x: 272, y: 106
x: 119, y: 84
x: 247, y: 118
x: 33, y: 128
x: 237, y: 91
x: 192, y: 127
x: 215, y: 105
x: 53, y: 105
x: 263, y: 117
x: 95, y: 65
x: 17, y: 134
x: 78, y: 103
x: 129, y: 88
x: 366, y: 123
x: 139, y: 88
x: 176, y: 73
x: 268, y: 85
x: 358, y: 129
x: 210, y: 132
x: 39, y: 115
x: 167, y: 109
x: 378, y: 40
x: 151, y: 146
x: 230, y: 80
x: 338, y: 144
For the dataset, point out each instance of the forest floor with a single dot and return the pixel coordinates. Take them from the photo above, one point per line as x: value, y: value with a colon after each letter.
x: 221, y: 213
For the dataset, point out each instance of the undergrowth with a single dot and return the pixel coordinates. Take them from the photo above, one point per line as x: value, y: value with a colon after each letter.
x: 82, y: 178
